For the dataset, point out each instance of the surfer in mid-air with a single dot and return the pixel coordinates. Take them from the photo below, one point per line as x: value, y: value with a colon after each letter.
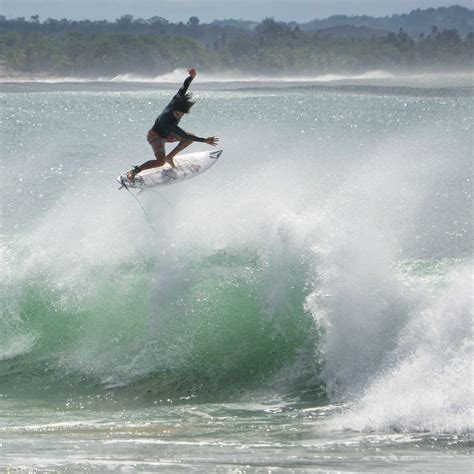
x: 166, y: 130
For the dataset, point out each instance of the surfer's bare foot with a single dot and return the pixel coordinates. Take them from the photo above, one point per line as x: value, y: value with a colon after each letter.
x: 131, y: 174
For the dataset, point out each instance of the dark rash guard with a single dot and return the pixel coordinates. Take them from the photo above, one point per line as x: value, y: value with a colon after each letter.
x: 167, y: 123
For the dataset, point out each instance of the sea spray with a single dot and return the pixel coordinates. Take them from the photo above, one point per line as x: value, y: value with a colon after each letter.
x: 429, y: 388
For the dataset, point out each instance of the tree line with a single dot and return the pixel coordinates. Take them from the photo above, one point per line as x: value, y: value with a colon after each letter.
x: 155, y: 46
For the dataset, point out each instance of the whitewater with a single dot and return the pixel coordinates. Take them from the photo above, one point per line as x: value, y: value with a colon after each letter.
x: 303, y: 306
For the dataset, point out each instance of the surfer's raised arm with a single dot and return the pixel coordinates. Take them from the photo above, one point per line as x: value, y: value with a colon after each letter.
x: 187, y: 82
x: 182, y: 92
x: 166, y: 130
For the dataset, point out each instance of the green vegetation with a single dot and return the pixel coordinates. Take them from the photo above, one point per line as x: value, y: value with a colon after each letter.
x: 154, y: 46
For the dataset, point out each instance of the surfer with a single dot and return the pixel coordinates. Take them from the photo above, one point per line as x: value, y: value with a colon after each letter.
x: 166, y: 130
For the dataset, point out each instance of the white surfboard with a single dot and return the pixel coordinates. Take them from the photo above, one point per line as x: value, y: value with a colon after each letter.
x: 187, y: 166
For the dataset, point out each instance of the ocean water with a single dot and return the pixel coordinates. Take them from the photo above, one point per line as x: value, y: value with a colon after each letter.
x: 304, y: 306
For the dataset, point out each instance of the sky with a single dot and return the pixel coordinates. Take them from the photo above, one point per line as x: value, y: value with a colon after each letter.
x: 208, y: 10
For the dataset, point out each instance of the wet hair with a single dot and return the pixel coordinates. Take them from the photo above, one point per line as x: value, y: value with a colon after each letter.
x: 183, y: 103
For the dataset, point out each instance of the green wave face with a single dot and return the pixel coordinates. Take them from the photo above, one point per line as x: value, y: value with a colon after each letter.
x: 220, y: 323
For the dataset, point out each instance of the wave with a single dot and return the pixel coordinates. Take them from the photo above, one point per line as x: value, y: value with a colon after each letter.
x: 394, y: 342
x: 459, y: 82
x: 208, y: 325
x: 376, y: 77
x: 323, y: 292
x: 47, y: 79
x: 332, y: 322
x: 177, y: 75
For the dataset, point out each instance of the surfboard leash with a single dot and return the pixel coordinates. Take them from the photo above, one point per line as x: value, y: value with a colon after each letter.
x: 141, y: 205
x: 156, y: 192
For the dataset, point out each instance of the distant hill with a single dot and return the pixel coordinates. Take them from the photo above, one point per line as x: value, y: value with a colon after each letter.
x: 416, y: 22
x: 343, y: 26
x: 349, y: 31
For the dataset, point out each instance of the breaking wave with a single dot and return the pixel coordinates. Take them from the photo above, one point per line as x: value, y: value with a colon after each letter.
x: 273, y: 281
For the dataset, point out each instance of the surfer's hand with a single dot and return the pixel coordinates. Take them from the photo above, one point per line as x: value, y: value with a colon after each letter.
x: 192, y: 72
x: 212, y: 141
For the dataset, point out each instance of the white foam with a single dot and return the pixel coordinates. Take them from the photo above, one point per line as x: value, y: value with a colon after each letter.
x: 177, y: 75
x: 431, y: 386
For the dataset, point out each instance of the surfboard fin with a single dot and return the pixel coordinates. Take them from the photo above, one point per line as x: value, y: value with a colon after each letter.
x: 121, y: 181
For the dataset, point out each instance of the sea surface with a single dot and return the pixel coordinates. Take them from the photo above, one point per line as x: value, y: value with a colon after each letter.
x: 303, y: 306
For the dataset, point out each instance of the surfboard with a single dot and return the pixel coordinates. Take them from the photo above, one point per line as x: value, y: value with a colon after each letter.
x: 188, y: 166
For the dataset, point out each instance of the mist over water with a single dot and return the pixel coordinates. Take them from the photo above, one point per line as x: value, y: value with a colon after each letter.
x: 325, y: 258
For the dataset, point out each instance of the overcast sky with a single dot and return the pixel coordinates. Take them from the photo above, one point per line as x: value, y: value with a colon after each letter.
x: 208, y: 10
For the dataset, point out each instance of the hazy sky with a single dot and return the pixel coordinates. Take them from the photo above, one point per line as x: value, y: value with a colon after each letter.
x: 208, y: 10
